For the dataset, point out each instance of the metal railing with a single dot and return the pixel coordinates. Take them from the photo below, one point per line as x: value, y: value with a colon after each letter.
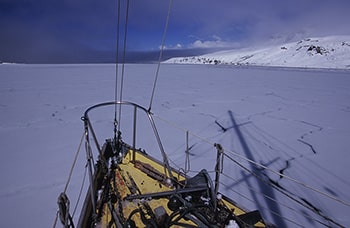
x: 90, y: 129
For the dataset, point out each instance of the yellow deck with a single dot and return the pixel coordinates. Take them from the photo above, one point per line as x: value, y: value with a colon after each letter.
x: 128, y: 175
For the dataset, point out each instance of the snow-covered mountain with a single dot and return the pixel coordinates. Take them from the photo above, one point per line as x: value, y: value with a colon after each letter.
x: 325, y: 52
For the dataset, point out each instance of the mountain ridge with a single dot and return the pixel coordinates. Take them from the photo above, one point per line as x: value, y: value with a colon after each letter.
x: 322, y: 52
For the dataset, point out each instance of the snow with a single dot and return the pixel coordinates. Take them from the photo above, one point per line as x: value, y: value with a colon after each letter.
x: 323, y: 52
x: 290, y: 119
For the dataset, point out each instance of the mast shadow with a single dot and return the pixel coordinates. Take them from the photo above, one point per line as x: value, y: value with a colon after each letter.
x: 267, y: 191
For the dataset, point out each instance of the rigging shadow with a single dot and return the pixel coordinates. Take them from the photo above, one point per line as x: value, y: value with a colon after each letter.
x: 266, y: 190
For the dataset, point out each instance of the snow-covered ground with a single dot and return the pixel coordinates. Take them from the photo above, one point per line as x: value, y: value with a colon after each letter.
x: 294, y: 121
x: 323, y: 52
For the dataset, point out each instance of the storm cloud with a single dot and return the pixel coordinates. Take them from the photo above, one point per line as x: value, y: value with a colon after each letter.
x: 85, y: 31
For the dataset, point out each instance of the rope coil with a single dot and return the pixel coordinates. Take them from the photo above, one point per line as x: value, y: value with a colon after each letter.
x: 63, y: 205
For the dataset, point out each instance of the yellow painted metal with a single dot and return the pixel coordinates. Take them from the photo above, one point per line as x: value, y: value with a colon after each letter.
x: 128, y: 176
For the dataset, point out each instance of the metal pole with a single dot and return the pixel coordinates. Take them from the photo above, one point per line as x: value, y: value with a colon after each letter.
x: 88, y: 157
x: 165, y: 158
x: 218, y: 166
x: 134, y: 135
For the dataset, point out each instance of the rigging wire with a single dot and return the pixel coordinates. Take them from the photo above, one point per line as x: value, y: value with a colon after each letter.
x: 258, y: 165
x: 74, y: 162
x: 187, y: 159
x: 80, y: 192
x: 271, y: 199
x: 151, y: 101
x: 288, y: 194
x: 160, y: 54
x: 70, y: 174
x: 116, y: 72
x: 123, y: 61
x: 239, y: 193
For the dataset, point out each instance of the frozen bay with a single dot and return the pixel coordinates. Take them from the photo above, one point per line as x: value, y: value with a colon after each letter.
x: 290, y: 119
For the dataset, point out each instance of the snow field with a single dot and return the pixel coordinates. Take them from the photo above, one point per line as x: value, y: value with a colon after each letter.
x: 291, y: 120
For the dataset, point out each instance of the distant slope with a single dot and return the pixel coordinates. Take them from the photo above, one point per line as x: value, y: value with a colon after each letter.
x: 325, y: 52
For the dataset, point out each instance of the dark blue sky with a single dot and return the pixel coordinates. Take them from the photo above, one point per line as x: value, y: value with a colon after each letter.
x: 85, y: 30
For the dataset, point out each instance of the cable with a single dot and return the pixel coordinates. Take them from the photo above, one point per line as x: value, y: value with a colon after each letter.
x: 116, y: 73
x: 74, y: 161
x: 124, y: 57
x: 161, y: 53
x: 70, y: 175
x: 187, y: 160
x: 287, y: 193
x: 258, y: 165
x: 269, y: 198
x: 264, y: 167
x: 80, y: 192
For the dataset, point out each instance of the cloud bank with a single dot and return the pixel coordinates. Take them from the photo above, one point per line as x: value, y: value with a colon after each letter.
x: 85, y: 31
